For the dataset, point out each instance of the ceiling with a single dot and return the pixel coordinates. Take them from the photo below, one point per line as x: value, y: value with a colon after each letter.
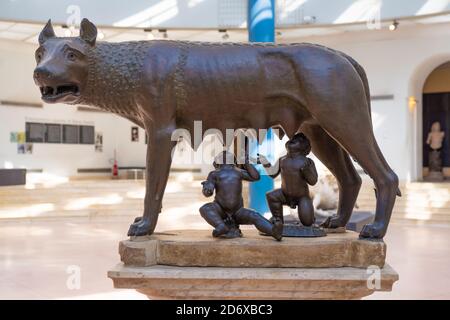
x: 28, y: 32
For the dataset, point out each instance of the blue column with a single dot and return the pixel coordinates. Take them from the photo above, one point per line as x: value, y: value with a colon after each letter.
x: 261, y: 20
x: 261, y: 28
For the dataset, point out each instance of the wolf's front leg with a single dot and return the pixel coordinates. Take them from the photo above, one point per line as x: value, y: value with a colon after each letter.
x: 159, y: 158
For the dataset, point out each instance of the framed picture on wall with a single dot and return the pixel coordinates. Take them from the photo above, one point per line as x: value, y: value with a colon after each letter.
x: 28, y: 148
x: 134, y: 134
x: 99, y: 142
x: 21, y: 148
x: 13, y: 137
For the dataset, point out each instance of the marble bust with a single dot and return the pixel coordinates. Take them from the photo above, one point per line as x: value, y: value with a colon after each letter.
x: 435, y: 141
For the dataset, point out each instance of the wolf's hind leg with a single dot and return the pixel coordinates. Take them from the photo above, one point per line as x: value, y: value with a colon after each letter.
x: 337, y: 160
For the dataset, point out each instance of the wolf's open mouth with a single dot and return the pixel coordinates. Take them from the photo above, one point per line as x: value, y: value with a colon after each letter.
x: 59, y: 91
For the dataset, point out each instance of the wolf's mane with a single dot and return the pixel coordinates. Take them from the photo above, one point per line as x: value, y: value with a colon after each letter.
x: 114, y: 76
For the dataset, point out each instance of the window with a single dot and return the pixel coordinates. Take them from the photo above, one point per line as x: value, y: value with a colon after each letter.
x: 70, y: 134
x: 87, y: 134
x: 35, y: 132
x: 59, y: 133
x: 53, y: 133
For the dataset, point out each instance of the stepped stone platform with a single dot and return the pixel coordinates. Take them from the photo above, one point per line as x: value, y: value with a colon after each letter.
x: 217, y: 283
x: 190, y: 264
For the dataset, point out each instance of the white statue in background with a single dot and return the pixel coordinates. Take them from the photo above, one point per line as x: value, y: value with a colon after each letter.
x: 435, y: 137
x: 434, y: 140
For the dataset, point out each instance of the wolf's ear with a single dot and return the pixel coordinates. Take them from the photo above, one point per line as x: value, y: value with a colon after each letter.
x: 46, y: 33
x: 88, y: 31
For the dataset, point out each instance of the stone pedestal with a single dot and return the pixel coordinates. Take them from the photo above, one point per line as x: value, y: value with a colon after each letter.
x: 435, y: 163
x: 435, y: 176
x: 190, y: 264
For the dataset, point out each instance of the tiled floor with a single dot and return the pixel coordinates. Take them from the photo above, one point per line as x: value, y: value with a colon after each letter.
x: 36, y: 253
x: 35, y: 257
x: 421, y: 256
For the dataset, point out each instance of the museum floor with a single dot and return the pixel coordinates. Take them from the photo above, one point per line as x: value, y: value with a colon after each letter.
x: 47, y: 228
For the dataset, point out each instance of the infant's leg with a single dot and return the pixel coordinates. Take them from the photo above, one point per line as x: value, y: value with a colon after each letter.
x: 275, y: 200
x: 213, y: 214
x: 248, y: 216
x: 306, y: 211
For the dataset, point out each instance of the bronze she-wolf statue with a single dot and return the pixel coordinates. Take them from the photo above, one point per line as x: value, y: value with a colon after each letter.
x: 163, y: 85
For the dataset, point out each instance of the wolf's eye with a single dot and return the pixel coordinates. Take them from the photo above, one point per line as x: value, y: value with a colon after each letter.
x: 71, y: 56
x: 38, y: 57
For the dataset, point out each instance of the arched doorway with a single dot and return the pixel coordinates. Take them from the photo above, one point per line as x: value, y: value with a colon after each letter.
x: 436, y: 114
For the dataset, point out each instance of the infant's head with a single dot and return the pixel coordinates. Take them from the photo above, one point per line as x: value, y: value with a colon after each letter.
x: 224, y: 158
x: 298, y: 143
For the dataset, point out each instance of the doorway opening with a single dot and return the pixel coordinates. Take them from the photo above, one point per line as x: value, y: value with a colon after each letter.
x: 436, y: 121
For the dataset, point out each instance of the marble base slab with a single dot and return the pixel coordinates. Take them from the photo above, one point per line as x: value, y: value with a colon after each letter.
x: 218, y: 283
x: 197, y: 248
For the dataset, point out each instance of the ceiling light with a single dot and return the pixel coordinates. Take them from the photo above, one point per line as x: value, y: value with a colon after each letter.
x: 150, y: 35
x: 68, y: 31
x: 164, y: 33
x: 393, y: 26
x: 225, y: 35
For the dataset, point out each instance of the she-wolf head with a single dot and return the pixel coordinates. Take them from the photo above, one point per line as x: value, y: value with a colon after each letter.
x: 62, y: 63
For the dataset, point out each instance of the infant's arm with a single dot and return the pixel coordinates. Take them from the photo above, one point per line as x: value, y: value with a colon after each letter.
x: 209, y: 184
x: 249, y: 173
x: 272, y: 170
x: 310, y: 172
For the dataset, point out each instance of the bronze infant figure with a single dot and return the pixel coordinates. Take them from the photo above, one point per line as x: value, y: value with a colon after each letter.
x: 297, y: 172
x: 227, y: 210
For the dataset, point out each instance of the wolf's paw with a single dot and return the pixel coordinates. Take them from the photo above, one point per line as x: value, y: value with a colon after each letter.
x: 373, y: 231
x: 333, y: 222
x: 139, y: 228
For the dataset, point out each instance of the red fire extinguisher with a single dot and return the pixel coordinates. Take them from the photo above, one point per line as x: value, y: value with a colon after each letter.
x: 115, y: 168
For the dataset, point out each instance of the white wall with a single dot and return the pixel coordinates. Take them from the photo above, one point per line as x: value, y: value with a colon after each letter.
x: 65, y: 159
x: 16, y: 72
